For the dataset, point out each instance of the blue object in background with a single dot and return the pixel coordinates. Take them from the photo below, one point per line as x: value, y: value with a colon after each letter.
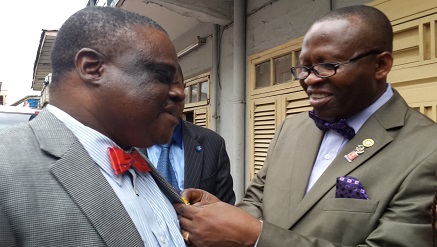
x: 33, y: 103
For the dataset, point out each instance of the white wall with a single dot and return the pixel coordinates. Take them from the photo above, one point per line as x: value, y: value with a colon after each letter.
x: 200, y: 60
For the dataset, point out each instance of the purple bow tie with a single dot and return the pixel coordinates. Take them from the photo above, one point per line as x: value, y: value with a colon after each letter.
x: 339, y: 126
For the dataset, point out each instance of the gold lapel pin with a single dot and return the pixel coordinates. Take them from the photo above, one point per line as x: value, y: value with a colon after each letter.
x: 368, y: 143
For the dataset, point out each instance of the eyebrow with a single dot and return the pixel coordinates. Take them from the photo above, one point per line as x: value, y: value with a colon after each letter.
x: 159, y: 67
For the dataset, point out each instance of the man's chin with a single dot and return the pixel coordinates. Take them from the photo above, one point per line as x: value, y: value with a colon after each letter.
x: 163, y: 141
x: 326, y: 116
x: 163, y: 137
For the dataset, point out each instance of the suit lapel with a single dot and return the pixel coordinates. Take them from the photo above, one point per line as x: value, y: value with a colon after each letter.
x: 293, y: 158
x: 375, y: 128
x: 310, y: 138
x: 193, y: 158
x: 80, y: 176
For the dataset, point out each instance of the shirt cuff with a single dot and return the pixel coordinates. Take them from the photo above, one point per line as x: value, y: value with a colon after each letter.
x: 256, y: 243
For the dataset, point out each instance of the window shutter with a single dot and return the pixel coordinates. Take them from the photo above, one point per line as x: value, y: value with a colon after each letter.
x: 200, y: 117
x: 263, y: 123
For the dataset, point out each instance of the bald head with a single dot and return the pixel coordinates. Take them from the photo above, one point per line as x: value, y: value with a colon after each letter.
x: 106, y: 30
x: 370, y: 22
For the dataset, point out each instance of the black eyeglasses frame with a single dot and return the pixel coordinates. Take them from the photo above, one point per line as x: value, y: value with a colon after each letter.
x: 335, y: 66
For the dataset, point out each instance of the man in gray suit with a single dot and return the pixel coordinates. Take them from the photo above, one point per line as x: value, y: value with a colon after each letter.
x: 114, y: 87
x: 358, y: 170
x: 198, y: 158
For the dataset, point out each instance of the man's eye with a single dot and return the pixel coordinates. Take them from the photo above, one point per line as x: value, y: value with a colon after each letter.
x: 327, y: 66
x: 164, y: 77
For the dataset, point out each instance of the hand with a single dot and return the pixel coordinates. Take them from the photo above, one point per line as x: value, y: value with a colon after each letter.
x: 217, y: 224
x: 199, y: 197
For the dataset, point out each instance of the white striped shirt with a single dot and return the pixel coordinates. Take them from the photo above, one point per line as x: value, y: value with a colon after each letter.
x: 151, y: 212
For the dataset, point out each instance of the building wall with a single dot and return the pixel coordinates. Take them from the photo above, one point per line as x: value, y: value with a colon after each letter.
x: 272, y: 23
x: 199, y: 60
x: 226, y: 88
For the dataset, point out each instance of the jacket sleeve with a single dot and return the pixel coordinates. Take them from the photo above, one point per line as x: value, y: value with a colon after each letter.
x: 224, y: 182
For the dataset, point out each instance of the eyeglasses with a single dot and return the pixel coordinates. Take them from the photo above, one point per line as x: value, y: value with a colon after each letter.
x: 324, y: 70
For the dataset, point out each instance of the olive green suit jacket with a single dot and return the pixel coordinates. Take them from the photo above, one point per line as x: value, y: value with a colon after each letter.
x: 397, y: 172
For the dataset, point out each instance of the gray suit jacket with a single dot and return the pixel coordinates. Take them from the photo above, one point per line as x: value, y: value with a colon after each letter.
x: 53, y: 194
x: 397, y: 172
x: 208, y: 169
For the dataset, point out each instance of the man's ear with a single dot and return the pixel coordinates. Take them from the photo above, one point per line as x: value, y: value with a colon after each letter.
x: 383, y: 65
x: 89, y: 65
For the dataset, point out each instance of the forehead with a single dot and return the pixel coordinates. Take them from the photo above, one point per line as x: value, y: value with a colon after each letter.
x: 153, y: 45
x: 340, y: 36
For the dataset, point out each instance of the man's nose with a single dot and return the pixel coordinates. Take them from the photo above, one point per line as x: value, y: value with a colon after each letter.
x: 312, y: 79
x: 177, y: 93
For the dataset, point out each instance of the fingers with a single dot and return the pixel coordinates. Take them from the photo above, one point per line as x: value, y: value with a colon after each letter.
x: 199, y: 197
x: 185, y: 211
x: 186, y: 236
x: 207, y: 199
x: 192, y: 195
x: 180, y: 209
x: 185, y: 222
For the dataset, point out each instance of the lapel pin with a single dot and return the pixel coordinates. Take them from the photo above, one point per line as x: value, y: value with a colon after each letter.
x: 367, y: 143
x: 351, y: 156
x: 359, y: 149
x: 354, y: 154
x: 198, y: 148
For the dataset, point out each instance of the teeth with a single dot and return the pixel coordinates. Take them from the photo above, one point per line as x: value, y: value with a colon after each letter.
x: 319, y: 96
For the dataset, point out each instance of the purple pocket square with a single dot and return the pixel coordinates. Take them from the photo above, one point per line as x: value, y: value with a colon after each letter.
x: 350, y: 187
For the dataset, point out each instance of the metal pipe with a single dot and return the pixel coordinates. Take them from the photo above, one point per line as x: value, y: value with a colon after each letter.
x: 239, y: 104
x: 214, y: 77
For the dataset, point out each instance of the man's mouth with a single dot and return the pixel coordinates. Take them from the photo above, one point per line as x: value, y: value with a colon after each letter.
x: 317, y: 96
x: 172, y: 110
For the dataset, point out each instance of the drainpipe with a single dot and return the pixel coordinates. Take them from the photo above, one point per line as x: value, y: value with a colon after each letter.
x: 214, y: 77
x: 238, y: 101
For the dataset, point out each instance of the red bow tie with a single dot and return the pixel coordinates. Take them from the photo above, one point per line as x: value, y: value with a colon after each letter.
x: 122, y: 161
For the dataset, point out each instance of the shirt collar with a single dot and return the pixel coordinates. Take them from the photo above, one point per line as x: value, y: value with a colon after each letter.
x: 94, y: 142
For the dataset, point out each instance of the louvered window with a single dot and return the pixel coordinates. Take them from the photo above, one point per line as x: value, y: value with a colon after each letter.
x: 274, y: 95
x: 200, y: 117
x: 264, y: 125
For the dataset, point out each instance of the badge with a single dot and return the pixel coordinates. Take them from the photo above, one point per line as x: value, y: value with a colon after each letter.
x: 359, y: 149
x: 351, y: 156
x: 367, y: 143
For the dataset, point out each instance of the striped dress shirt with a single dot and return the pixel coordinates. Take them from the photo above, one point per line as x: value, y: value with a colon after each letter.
x: 150, y: 211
